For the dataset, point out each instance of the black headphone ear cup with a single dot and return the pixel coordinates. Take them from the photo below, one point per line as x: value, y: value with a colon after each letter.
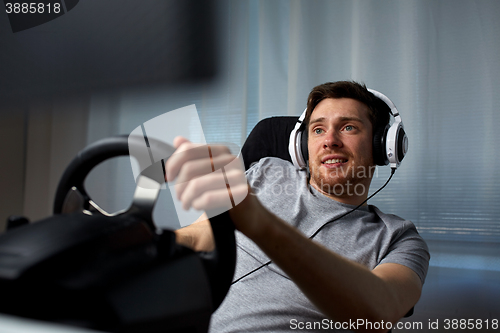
x: 303, y: 145
x: 379, y: 154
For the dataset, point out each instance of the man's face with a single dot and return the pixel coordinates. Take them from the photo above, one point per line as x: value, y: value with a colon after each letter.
x: 340, y: 149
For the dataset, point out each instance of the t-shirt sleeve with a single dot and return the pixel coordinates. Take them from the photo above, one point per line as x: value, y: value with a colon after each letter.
x: 410, y: 250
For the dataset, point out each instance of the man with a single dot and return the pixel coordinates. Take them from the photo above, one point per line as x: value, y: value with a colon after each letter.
x: 363, y: 267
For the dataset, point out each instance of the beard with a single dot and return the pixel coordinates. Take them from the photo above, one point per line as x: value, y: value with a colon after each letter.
x: 344, y: 181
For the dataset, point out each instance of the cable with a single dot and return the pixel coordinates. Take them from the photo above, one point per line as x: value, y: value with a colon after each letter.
x: 361, y: 204
x: 255, y: 270
x: 319, y: 229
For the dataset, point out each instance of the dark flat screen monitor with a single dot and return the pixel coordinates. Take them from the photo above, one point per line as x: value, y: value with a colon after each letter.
x: 52, y: 48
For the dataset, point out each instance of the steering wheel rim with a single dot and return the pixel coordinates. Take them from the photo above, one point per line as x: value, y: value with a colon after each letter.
x: 219, y: 264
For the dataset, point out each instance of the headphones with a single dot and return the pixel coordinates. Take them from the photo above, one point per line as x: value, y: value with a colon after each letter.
x: 390, y: 143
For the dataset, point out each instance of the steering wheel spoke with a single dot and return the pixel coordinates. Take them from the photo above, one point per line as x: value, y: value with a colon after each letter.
x: 145, y: 197
x: 74, y: 202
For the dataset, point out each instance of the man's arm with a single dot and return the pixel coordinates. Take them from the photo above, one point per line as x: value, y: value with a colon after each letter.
x: 197, y: 236
x: 340, y: 288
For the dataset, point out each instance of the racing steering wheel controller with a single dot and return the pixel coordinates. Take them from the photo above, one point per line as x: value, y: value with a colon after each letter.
x: 113, y: 272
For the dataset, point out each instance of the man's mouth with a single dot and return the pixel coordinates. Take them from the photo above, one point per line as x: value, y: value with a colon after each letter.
x: 335, y: 161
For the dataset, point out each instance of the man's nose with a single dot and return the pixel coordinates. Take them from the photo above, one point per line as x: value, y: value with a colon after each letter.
x: 332, y: 139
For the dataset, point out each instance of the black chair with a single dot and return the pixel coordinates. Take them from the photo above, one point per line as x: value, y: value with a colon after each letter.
x: 269, y: 138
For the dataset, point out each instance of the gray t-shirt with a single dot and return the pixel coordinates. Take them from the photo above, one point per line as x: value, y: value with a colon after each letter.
x: 267, y: 300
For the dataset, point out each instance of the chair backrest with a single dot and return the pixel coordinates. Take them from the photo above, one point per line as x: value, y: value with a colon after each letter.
x: 269, y: 138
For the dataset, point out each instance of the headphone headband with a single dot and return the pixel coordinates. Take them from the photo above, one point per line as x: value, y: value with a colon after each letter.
x: 390, y: 144
x: 294, y: 144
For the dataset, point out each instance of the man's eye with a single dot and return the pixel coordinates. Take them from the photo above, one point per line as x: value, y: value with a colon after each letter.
x: 349, y: 128
x: 318, y: 130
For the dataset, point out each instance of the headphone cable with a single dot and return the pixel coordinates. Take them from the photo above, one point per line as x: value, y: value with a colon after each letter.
x: 319, y: 229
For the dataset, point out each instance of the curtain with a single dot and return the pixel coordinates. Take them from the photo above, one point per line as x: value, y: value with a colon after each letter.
x: 437, y: 60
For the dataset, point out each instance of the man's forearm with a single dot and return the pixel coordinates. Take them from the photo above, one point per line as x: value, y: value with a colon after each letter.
x: 197, y: 236
x: 340, y: 288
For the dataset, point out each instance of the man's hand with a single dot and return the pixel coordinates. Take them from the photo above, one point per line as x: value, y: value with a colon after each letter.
x: 208, y: 177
